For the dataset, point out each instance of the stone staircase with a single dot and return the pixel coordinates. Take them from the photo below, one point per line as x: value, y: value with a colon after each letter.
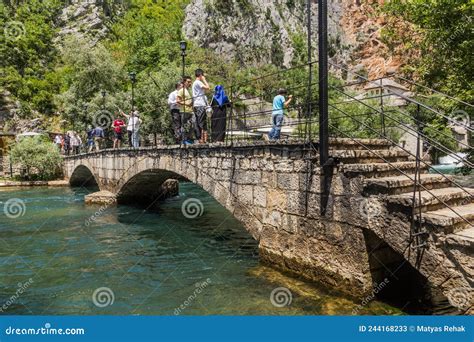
x: 390, y: 171
x: 386, y: 173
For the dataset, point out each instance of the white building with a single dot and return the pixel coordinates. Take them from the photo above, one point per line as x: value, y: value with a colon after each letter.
x: 390, y: 92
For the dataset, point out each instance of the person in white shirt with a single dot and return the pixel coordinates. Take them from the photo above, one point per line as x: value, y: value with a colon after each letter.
x: 133, y: 127
x: 57, y: 141
x: 175, y: 113
x: 75, y: 142
x: 200, y: 103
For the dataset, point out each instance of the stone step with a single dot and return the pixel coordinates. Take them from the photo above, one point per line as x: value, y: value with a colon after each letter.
x: 433, y: 199
x: 370, y: 156
x: 463, y: 238
x: 449, y: 221
x: 394, y: 185
x: 380, y: 169
x: 359, y: 144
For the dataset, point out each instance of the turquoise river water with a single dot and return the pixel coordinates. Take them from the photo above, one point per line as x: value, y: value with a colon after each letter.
x: 60, y: 257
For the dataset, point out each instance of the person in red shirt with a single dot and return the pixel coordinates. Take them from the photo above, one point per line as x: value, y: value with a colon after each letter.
x: 117, y: 126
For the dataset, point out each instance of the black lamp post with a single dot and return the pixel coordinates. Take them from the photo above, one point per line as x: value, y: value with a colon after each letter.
x: 85, y: 117
x: 310, y: 70
x: 104, y: 93
x: 133, y: 79
x: 323, y: 104
x: 183, y: 45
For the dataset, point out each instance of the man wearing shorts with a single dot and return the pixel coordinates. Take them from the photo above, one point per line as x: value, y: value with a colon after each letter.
x: 200, y: 86
x: 117, y: 126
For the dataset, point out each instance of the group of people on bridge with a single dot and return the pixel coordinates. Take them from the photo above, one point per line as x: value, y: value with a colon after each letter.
x: 190, y: 109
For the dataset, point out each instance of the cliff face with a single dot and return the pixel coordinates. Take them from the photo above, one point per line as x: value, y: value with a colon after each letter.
x: 262, y: 31
x: 268, y: 31
x: 85, y: 19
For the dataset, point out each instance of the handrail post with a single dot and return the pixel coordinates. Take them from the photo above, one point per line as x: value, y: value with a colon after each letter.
x: 245, y: 137
x: 415, y: 231
x: 231, y: 117
x: 310, y: 69
x: 323, y: 104
x: 382, y: 114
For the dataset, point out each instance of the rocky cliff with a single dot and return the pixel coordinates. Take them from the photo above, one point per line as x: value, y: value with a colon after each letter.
x: 253, y: 32
x: 268, y: 31
x: 262, y: 31
x: 85, y: 19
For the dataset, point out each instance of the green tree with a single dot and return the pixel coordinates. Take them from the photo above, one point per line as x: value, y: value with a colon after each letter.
x: 87, y: 71
x: 443, y: 32
x: 148, y: 34
x: 27, y: 52
x: 38, y: 156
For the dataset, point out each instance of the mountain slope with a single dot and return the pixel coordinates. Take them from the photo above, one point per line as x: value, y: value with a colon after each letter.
x: 261, y: 31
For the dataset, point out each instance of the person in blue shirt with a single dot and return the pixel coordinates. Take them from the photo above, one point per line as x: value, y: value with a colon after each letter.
x: 99, y: 137
x: 279, y: 105
x: 90, y: 138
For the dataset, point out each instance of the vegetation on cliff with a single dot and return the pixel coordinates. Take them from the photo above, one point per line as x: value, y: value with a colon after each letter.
x: 68, y: 77
x: 442, y: 32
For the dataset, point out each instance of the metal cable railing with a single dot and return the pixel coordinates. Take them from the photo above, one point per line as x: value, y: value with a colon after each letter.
x: 407, y: 98
x: 417, y: 184
x: 405, y: 150
x: 433, y: 90
x: 411, y: 129
x: 408, y: 115
x: 249, y: 117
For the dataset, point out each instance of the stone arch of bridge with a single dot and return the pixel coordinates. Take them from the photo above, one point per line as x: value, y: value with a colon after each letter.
x: 145, y: 187
x: 142, y: 184
x: 84, y: 176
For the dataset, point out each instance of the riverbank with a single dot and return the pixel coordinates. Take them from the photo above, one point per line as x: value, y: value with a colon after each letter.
x: 8, y: 183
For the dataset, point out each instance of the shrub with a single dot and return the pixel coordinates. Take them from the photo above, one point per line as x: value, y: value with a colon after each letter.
x: 38, y: 156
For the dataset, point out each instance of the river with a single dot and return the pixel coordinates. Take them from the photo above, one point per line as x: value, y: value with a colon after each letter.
x: 61, y: 257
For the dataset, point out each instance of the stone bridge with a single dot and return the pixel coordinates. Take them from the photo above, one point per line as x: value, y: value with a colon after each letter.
x: 364, y: 241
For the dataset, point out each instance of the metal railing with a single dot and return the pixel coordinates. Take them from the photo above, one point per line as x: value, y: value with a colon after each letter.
x: 387, y: 113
